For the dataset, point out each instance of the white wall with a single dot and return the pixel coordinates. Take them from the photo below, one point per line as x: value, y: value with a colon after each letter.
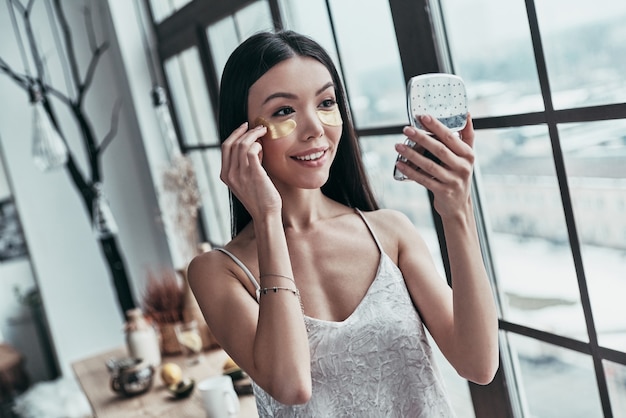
x: 130, y: 38
x: 70, y: 270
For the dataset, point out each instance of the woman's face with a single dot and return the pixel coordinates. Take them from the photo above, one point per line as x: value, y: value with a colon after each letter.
x: 296, y: 101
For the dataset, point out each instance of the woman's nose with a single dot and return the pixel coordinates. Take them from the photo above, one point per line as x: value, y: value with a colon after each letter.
x: 313, y: 127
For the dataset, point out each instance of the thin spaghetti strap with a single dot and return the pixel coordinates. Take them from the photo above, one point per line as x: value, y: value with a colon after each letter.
x: 380, y: 247
x: 243, y: 267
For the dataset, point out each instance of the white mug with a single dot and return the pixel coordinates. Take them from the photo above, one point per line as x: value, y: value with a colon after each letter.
x: 219, y: 397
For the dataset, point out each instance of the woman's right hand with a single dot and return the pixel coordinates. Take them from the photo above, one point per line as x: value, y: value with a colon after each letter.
x: 243, y: 173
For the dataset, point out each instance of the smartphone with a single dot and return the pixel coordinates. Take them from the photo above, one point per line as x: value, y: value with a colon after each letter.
x: 439, y: 95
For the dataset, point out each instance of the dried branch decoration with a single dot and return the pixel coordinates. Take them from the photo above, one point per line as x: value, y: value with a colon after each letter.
x: 164, y: 298
x: 180, y: 179
x: 78, y: 82
x: 181, y: 186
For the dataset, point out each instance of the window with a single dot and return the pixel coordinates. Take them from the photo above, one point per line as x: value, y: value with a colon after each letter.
x: 371, y: 62
x: 582, y: 73
x: 547, y: 95
x: 226, y: 34
x: 162, y: 9
x: 490, y: 44
x: 543, y: 89
x: 190, y: 99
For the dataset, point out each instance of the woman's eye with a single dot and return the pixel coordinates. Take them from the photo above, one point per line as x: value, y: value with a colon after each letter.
x: 284, y: 111
x: 328, y: 103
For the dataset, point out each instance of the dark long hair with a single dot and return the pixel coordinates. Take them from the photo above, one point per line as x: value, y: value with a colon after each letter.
x: 347, y: 182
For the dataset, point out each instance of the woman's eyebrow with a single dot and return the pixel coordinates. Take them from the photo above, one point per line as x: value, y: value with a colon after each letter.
x: 327, y: 85
x: 285, y: 95
x: 279, y: 94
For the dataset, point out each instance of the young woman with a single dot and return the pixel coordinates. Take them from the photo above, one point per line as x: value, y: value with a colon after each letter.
x: 322, y: 297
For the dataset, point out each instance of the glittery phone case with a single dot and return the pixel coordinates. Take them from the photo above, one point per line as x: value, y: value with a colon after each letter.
x: 440, y: 95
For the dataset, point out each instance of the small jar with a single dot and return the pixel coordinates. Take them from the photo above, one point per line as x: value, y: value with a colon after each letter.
x: 141, y: 338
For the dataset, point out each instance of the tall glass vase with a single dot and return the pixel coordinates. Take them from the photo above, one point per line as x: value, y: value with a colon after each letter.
x: 49, y: 149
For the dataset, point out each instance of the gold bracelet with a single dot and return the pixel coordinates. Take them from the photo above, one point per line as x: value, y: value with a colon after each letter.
x: 275, y: 289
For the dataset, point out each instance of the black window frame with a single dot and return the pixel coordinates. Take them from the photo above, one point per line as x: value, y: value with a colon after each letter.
x: 417, y: 26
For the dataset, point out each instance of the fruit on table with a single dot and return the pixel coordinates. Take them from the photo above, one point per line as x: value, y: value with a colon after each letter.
x: 229, y: 364
x: 183, y: 388
x: 171, y: 374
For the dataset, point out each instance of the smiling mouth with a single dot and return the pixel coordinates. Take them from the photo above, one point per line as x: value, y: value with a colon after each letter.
x: 310, y: 157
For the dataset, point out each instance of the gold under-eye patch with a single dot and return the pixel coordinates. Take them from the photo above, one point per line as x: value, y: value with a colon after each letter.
x: 284, y: 128
x: 330, y: 117
x: 276, y: 130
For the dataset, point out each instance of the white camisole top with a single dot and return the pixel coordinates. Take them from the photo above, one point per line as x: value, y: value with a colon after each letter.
x: 376, y: 363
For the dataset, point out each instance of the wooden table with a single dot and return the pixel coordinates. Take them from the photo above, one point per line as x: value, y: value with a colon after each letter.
x: 94, y: 379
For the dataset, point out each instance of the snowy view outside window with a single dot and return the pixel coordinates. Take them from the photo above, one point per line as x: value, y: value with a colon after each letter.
x: 491, y: 49
x: 586, y: 61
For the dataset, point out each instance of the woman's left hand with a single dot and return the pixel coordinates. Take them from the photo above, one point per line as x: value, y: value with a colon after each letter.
x: 450, y: 179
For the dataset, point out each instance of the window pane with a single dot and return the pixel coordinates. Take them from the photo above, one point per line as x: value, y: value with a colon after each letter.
x: 371, y: 62
x: 162, y: 9
x: 215, y: 210
x: 254, y: 18
x: 410, y: 198
x: 584, y: 47
x: 528, y: 237
x: 616, y: 380
x: 223, y: 39
x: 554, y: 382
x: 492, y: 51
x: 226, y: 34
x: 310, y: 18
x: 595, y: 158
x: 191, y: 98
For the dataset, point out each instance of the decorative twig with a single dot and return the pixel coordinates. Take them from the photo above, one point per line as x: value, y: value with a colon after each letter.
x: 47, y: 88
x: 86, y: 192
x: 56, y: 93
x: 19, y: 5
x: 82, y: 87
x: 97, y: 50
x: 69, y: 43
x: 60, y: 50
x: 89, y: 28
x: 84, y: 185
x: 97, y: 53
x: 22, y: 80
x: 113, y: 129
x: 16, y: 29
x: 33, y: 45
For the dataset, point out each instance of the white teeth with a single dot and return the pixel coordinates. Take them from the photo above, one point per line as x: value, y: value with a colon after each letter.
x: 310, y: 156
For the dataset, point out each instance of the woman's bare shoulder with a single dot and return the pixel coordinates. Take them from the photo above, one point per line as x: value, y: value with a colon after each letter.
x: 388, y: 220
x: 217, y: 259
x: 208, y: 264
x: 391, y: 227
x: 216, y: 264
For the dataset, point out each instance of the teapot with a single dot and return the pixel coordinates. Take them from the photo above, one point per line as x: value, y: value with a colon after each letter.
x: 130, y: 376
